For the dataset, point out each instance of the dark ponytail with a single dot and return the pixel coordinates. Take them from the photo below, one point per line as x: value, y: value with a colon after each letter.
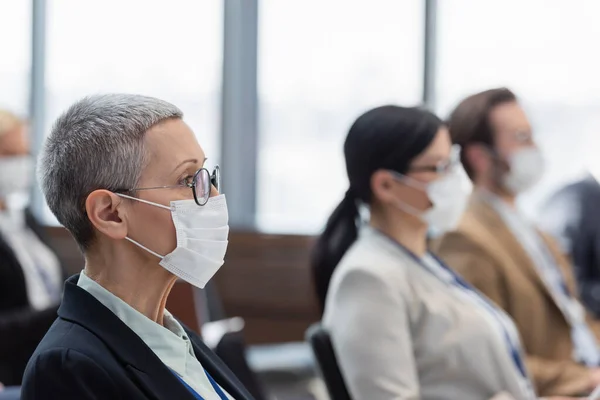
x: 387, y: 137
x: 339, y: 234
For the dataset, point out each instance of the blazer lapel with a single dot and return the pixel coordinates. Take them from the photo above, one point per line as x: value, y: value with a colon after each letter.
x: 160, y: 385
x: 509, y: 245
x: 217, y: 369
x: 562, y: 262
x: 150, y: 373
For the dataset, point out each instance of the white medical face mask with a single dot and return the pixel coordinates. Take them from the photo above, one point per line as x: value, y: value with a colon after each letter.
x: 449, y: 196
x: 16, y: 175
x: 202, y: 233
x: 526, y: 169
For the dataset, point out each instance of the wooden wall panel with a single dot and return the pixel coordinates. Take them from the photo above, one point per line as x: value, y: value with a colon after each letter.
x: 266, y: 280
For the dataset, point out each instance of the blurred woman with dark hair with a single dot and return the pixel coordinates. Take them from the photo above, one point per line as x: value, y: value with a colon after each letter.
x: 403, y: 325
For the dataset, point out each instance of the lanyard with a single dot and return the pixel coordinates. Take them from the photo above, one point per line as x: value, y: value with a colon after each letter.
x: 513, y: 346
x: 551, y: 272
x: 214, y: 384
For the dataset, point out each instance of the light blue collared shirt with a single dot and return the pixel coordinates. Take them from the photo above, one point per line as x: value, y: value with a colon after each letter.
x: 170, y: 342
x: 585, y: 346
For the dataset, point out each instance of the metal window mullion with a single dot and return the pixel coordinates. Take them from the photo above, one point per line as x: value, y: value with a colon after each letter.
x: 38, y: 90
x: 239, y: 112
x: 430, y: 54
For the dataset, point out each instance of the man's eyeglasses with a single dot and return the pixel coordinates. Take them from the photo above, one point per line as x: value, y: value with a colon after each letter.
x: 200, y: 184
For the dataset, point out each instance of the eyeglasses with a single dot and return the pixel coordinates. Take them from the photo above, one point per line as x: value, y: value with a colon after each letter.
x: 443, y: 167
x: 200, y: 184
x: 523, y: 137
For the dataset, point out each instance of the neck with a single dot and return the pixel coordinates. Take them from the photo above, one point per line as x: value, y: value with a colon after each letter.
x: 506, y: 198
x: 497, y: 190
x: 405, y: 229
x: 142, y: 284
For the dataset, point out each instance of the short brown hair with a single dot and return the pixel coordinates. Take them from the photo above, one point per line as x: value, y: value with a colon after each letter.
x: 469, y: 123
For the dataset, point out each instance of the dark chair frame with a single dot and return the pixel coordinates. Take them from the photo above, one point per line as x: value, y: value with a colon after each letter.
x: 320, y: 342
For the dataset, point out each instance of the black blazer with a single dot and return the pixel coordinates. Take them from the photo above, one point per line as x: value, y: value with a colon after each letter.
x: 89, y: 353
x: 21, y: 327
x: 573, y: 217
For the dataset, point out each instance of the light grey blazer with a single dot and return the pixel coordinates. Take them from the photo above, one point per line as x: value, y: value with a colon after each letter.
x: 399, y: 332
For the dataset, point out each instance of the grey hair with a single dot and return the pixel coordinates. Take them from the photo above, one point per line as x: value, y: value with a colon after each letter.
x: 98, y: 143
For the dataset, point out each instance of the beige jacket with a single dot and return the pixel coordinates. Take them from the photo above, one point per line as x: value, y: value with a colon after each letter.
x: 399, y: 332
x: 486, y: 253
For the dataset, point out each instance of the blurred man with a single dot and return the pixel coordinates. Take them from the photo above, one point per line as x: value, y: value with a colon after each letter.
x: 499, y: 252
x: 572, y: 216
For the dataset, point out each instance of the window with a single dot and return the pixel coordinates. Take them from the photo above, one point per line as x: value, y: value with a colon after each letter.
x: 322, y: 64
x: 15, y: 55
x: 171, y: 50
x: 544, y: 51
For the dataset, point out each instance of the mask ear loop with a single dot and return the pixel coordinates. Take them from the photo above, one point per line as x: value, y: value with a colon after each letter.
x: 143, y: 201
x: 415, y: 184
x: 407, y: 180
x: 144, y: 247
x: 410, y: 209
x: 152, y: 204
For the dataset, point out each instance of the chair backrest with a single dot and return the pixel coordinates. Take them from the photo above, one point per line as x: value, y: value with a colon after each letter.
x: 232, y: 350
x: 320, y: 341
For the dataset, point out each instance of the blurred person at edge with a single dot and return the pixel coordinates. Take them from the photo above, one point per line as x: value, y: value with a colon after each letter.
x: 572, y: 217
x: 403, y: 325
x: 506, y: 257
x: 30, y: 274
x: 127, y: 177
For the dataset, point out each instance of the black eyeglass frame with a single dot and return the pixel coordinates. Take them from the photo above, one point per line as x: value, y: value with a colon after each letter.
x: 214, y: 179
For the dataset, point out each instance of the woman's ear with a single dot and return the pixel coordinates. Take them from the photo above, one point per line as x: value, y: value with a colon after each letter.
x: 382, y: 184
x: 105, y: 211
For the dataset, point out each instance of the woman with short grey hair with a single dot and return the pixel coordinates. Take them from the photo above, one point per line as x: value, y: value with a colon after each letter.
x: 127, y: 177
